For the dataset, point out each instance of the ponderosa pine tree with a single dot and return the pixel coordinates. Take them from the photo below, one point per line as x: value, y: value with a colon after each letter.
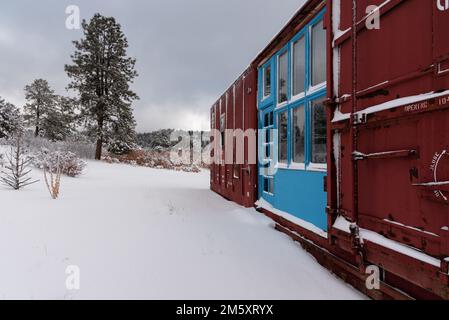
x: 61, y: 120
x: 102, y: 73
x: 10, y: 119
x: 41, y: 101
x: 122, y: 136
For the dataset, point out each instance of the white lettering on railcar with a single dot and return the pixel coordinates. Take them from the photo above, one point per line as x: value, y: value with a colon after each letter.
x: 443, y: 5
x: 416, y: 106
x: 444, y: 100
x: 436, y: 161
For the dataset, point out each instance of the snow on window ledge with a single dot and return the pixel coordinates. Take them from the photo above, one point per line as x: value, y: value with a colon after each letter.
x: 281, y: 165
x: 263, y: 204
x: 297, y: 166
x: 316, y: 88
x: 317, y: 167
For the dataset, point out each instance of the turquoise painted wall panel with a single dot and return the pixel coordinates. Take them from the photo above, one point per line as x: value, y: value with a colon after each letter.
x: 301, y: 194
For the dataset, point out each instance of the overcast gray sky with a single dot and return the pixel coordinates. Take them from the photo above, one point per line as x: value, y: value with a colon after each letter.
x: 187, y: 51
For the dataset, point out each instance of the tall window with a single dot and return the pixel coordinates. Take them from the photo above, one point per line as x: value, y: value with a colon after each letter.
x: 282, y: 136
x: 268, y: 126
x: 282, y: 77
x: 298, y: 83
x: 268, y: 120
x: 318, y: 112
x: 268, y: 179
x: 318, y: 54
x: 299, y: 135
x: 267, y: 81
x: 299, y: 66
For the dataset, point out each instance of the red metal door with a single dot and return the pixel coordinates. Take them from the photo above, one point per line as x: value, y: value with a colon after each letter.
x: 250, y: 123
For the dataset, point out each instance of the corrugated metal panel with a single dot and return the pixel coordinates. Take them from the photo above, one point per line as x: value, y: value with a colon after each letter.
x: 386, y: 163
x: 238, y: 180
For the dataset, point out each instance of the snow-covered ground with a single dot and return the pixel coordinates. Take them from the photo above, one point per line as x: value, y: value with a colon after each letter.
x: 139, y: 233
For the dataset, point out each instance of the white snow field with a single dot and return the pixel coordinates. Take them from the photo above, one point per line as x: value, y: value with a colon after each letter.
x: 139, y: 233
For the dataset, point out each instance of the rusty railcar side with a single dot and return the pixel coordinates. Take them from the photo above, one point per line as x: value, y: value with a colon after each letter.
x: 389, y: 167
x: 234, y: 115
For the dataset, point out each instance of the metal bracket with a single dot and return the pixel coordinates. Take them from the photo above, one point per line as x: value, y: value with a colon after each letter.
x: 438, y: 185
x: 359, y: 118
x: 385, y: 155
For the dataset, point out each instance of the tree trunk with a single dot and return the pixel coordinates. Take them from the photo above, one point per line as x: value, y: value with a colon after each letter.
x: 38, y: 115
x: 100, y: 122
x: 99, y: 149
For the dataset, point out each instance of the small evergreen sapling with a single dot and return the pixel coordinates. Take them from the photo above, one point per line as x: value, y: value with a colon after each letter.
x: 16, y: 171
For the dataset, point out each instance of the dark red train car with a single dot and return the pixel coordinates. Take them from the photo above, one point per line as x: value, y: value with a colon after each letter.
x: 387, y: 144
x: 389, y: 140
x: 234, y: 152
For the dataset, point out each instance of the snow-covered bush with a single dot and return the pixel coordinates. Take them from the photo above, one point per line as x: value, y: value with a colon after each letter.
x: 79, y: 145
x: 65, y: 161
x: 151, y: 159
x: 119, y: 148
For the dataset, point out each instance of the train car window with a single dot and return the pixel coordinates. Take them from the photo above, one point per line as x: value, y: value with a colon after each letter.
x: 282, y: 77
x: 268, y: 185
x: 299, y: 135
x: 318, y: 117
x: 267, y: 81
x: 299, y: 66
x: 282, y: 136
x: 318, y: 54
x: 268, y: 135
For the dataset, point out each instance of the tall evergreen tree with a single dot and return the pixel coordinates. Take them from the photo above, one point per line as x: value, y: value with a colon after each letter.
x: 122, y: 136
x: 60, y: 121
x: 41, y: 101
x: 10, y: 119
x: 102, y: 73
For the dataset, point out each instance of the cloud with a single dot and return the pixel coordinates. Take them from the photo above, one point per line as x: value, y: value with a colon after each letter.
x: 188, y: 51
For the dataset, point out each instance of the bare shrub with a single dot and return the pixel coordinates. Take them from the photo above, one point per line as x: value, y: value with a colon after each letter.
x: 17, y: 168
x: 53, y: 181
x: 65, y: 162
x: 159, y: 159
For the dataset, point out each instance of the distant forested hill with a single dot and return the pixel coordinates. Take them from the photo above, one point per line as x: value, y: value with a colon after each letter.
x: 161, y: 138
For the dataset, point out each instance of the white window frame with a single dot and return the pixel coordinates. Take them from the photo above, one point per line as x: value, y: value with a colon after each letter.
x: 279, y: 164
x: 271, y: 143
x: 266, y: 192
x: 292, y: 49
x: 297, y: 165
x: 264, y: 95
x: 278, y: 60
x: 312, y: 89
